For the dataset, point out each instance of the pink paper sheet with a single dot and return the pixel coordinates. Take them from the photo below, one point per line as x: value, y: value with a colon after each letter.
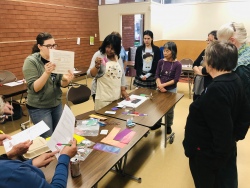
x: 109, y: 139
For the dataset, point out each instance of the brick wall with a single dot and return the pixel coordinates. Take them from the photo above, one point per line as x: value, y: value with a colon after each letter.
x: 128, y: 31
x: 21, y: 21
x: 128, y: 28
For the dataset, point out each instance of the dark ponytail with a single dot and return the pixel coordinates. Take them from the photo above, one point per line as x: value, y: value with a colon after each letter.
x: 41, y: 37
x: 35, y: 49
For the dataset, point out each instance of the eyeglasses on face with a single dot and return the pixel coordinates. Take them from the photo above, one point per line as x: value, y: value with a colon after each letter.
x: 51, y: 46
x: 232, y: 25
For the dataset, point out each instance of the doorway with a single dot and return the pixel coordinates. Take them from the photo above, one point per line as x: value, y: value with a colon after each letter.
x: 132, y: 30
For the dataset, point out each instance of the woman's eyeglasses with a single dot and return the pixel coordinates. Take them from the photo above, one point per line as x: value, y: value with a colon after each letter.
x: 51, y: 46
x: 232, y: 25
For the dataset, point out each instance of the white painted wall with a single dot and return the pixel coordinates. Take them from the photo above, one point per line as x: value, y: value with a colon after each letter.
x: 176, y: 21
x: 194, y: 21
x: 110, y: 16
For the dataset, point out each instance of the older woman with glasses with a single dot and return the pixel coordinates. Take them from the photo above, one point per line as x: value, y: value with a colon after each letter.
x: 236, y: 33
x: 202, y: 78
x: 44, y: 87
x: 216, y: 121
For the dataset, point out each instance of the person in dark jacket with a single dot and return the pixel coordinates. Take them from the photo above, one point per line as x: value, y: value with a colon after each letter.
x: 146, y: 60
x: 217, y: 120
x: 202, y: 78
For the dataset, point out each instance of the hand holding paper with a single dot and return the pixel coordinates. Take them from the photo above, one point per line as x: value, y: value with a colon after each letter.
x: 28, y: 134
x: 64, y: 130
x: 70, y: 150
x: 64, y: 61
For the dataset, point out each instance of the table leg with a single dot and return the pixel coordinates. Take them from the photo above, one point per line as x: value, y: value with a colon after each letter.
x: 120, y: 168
x: 189, y: 86
x: 86, y: 77
x: 170, y: 137
x: 11, y: 100
x: 165, y: 135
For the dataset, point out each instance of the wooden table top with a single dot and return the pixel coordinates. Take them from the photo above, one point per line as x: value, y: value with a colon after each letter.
x: 98, y: 163
x: 7, y: 91
x: 155, y: 108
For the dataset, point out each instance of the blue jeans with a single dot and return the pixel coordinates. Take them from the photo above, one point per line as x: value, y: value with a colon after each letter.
x: 50, y: 116
x: 170, y: 114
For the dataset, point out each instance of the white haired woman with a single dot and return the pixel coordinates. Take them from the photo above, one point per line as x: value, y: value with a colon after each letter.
x: 236, y: 33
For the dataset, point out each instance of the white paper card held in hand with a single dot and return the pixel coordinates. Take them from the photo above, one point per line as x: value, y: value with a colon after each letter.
x: 64, y: 61
x: 27, y: 134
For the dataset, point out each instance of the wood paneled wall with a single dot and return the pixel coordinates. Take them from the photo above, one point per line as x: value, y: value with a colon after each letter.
x: 186, y: 48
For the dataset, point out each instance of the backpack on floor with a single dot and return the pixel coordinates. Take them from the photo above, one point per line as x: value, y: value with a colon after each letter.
x: 18, y: 112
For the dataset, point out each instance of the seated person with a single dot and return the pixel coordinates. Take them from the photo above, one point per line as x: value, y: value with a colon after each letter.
x: 19, y: 149
x: 15, y: 173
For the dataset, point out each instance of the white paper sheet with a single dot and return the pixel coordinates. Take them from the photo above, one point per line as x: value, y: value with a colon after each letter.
x: 11, y: 84
x: 130, y: 104
x: 27, y: 134
x: 64, y: 61
x: 75, y: 71
x: 64, y: 130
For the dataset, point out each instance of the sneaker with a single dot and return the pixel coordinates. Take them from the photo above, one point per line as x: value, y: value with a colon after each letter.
x: 169, y: 130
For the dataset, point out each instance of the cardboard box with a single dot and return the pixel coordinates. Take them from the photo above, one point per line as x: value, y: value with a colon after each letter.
x: 38, y: 147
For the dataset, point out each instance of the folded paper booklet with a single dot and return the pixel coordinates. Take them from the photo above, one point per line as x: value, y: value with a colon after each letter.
x: 134, y: 102
x: 28, y: 134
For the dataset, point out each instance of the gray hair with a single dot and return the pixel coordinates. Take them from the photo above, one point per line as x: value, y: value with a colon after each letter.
x: 233, y: 29
x: 1, y: 105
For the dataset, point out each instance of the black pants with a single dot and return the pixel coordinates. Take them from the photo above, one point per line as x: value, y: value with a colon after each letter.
x: 210, y: 173
x: 195, y: 96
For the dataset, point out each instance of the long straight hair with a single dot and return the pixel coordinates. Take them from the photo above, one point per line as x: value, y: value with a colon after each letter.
x: 149, y: 33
